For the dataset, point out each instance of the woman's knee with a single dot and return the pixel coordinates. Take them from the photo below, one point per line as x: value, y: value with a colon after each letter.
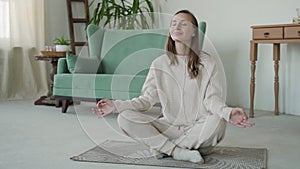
x: 221, y: 130
x: 128, y: 119
x: 123, y: 120
x: 217, y: 136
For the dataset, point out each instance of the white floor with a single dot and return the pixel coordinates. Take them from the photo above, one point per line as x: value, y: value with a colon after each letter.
x: 41, y: 137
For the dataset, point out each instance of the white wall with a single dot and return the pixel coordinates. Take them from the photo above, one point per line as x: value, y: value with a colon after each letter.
x: 57, y: 23
x: 56, y: 20
x: 229, y: 29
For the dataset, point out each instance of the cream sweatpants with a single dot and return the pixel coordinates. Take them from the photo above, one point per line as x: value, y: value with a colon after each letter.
x: 162, y: 136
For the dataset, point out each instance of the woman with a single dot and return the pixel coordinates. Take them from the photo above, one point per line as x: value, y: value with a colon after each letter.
x: 187, y: 84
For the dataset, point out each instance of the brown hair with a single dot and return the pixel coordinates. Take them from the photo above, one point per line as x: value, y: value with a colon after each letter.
x: 193, y: 58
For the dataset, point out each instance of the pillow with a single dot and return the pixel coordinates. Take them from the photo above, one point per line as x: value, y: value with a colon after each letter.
x: 83, y: 64
x: 71, y: 61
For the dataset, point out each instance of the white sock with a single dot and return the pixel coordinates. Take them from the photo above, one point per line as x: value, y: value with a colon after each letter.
x: 187, y: 155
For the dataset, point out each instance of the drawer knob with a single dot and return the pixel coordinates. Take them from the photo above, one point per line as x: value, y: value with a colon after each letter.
x: 266, y: 34
x: 298, y: 33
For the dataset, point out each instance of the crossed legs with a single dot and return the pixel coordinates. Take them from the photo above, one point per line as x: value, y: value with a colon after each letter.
x: 182, y: 144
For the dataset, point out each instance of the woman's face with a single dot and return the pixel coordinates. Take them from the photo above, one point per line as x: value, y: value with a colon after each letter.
x: 181, y: 28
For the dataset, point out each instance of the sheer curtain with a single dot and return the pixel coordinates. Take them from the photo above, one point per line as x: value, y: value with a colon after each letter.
x: 22, y: 36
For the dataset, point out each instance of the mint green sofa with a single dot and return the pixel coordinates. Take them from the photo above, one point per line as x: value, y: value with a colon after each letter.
x: 116, y: 67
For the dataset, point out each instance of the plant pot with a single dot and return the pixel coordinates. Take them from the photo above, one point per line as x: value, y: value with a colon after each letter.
x: 62, y: 48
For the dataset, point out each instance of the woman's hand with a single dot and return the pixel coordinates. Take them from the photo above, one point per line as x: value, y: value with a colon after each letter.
x: 104, y: 107
x: 239, y: 118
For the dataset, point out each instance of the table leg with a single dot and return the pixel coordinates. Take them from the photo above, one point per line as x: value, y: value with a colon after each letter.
x: 253, y: 59
x: 53, y: 72
x: 44, y: 100
x: 276, y: 58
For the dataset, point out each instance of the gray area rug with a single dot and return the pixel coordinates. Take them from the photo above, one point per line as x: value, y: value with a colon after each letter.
x: 133, y: 153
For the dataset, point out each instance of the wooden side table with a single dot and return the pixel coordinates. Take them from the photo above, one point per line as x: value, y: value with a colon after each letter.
x: 53, y: 59
x: 272, y: 34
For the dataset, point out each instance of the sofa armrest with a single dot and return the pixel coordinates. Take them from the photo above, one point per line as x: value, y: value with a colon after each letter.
x: 62, y: 66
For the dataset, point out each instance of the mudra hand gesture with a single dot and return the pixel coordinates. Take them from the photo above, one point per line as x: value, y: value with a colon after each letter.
x: 104, y: 107
x: 238, y: 117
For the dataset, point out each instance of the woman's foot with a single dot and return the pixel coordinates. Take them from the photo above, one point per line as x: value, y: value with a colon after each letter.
x: 157, y: 154
x: 206, y: 150
x: 187, y: 155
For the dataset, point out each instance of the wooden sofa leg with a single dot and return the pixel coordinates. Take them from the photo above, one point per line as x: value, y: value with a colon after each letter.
x: 57, y: 103
x: 65, y: 105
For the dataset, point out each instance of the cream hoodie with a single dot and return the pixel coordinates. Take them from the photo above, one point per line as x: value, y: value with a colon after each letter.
x: 184, y: 101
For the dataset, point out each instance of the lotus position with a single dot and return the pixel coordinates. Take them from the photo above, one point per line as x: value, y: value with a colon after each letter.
x: 188, y: 84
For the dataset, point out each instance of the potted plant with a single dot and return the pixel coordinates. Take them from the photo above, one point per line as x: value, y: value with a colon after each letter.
x: 62, y: 44
x: 123, y: 14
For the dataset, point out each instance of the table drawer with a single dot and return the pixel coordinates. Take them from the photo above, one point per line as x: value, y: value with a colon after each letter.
x: 268, y: 33
x: 292, y: 32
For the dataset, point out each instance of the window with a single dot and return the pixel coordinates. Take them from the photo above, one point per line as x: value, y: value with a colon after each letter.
x: 4, y: 19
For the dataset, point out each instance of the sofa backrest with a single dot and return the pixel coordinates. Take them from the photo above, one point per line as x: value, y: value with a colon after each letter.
x: 128, y: 51
x: 131, y: 51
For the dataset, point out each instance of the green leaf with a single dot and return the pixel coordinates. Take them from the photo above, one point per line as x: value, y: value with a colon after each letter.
x: 123, y: 13
x: 135, y: 6
x: 61, y: 41
x: 150, y: 5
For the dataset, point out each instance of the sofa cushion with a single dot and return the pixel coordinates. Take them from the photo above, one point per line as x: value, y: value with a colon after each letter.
x: 71, y: 61
x: 98, y: 83
x: 82, y: 64
x: 131, y: 46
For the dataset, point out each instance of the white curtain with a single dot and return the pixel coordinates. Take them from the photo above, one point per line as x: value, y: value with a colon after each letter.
x: 22, y: 36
